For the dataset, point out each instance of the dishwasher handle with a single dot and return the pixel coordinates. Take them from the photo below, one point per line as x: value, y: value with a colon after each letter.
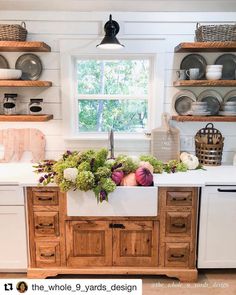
x: 226, y: 190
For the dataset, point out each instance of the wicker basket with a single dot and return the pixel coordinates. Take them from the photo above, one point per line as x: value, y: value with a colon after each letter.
x: 209, y: 145
x: 13, y: 32
x: 215, y: 33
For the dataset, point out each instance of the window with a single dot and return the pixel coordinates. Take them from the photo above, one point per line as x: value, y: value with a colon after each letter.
x: 107, y: 89
x: 112, y: 93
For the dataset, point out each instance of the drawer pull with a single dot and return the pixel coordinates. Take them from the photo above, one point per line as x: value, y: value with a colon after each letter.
x: 44, y: 225
x: 177, y: 256
x: 116, y: 225
x: 178, y: 225
x: 47, y: 255
x: 45, y: 198
x: 226, y: 190
x: 179, y: 199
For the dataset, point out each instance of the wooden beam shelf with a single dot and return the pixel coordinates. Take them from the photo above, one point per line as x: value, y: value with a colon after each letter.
x: 25, y: 118
x: 24, y: 83
x: 206, y: 46
x: 205, y: 83
x: 24, y: 46
x: 203, y: 119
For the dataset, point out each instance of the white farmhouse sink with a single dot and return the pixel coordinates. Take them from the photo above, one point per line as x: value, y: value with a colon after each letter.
x: 124, y: 201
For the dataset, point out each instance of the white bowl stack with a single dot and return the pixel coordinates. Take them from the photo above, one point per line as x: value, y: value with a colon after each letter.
x: 214, y: 72
x: 228, y: 108
x: 10, y: 74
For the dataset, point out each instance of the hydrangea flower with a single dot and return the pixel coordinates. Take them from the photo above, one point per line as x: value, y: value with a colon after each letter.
x: 70, y: 174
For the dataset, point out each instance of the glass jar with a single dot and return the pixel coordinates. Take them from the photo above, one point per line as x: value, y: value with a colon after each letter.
x: 9, y: 104
x: 36, y: 106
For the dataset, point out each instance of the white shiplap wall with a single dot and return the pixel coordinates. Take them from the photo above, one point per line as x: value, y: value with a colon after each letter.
x: 51, y: 27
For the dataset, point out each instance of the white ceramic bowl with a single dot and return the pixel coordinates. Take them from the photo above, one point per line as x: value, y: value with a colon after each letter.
x: 229, y: 108
x: 214, y: 67
x: 10, y: 74
x: 213, y: 75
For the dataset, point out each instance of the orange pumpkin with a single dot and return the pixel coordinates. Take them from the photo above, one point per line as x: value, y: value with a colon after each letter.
x: 129, y: 180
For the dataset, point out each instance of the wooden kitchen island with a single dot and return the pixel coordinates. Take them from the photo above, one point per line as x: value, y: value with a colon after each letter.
x: 161, y: 245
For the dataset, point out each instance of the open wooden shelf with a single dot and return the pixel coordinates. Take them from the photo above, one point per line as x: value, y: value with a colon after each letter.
x: 25, y: 118
x: 24, y: 46
x: 203, y: 119
x: 205, y: 83
x: 206, y: 46
x: 22, y: 83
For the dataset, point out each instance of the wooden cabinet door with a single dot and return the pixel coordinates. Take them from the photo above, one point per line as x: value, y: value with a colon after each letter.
x: 135, y: 243
x: 89, y: 243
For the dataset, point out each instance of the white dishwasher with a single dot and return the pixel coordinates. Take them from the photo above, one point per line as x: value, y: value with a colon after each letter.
x: 13, y: 243
x: 217, y: 232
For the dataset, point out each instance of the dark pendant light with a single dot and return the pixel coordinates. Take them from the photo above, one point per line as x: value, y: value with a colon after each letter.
x: 110, y: 41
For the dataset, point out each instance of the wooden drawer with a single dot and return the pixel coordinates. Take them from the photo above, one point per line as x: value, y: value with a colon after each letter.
x: 48, y: 254
x: 178, y: 224
x: 177, y: 254
x: 179, y: 198
x: 46, y: 224
x: 45, y: 197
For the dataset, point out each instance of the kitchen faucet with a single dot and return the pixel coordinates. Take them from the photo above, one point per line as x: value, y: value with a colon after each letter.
x: 111, y: 143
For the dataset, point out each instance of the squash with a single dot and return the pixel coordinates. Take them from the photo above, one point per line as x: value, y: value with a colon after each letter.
x: 129, y: 180
x: 144, y: 176
x: 191, y: 161
x: 146, y: 165
x: 117, y: 176
x: 183, y: 155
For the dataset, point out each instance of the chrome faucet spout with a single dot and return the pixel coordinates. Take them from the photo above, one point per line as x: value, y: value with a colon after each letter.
x: 111, y: 142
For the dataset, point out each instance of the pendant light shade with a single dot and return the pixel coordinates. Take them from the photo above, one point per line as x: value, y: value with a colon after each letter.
x: 110, y: 41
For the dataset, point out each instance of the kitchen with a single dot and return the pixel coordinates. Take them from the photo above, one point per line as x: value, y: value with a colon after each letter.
x: 73, y: 30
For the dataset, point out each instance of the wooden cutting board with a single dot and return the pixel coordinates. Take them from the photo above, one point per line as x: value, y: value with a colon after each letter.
x: 17, y: 141
x: 165, y: 141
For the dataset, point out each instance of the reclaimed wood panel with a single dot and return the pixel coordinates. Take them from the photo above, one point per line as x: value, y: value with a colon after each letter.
x: 206, y: 46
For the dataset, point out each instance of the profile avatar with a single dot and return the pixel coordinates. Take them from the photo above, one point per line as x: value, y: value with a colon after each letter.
x: 21, y: 287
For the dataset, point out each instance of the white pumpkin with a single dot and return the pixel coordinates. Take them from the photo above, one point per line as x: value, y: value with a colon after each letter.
x: 191, y: 161
x: 183, y: 155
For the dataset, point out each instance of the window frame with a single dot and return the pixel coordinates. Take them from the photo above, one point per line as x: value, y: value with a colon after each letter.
x: 72, y: 49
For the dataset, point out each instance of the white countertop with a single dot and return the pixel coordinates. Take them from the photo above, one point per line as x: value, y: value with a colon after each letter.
x: 218, y: 175
x: 22, y: 174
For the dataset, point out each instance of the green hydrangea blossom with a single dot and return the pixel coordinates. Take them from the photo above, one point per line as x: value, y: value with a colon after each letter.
x: 85, y: 166
x: 85, y: 181
x: 126, y: 164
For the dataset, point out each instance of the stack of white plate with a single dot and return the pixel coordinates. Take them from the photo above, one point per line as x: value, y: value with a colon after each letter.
x: 228, y: 108
x: 199, y: 108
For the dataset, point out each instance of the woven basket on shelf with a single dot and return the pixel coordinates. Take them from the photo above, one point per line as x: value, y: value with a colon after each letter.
x: 13, y: 32
x: 213, y: 33
x: 209, y: 145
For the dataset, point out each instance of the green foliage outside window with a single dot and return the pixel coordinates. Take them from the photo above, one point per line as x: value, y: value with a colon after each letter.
x: 118, y: 78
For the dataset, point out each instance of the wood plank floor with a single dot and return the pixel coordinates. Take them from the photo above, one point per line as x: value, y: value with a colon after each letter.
x: 210, y: 282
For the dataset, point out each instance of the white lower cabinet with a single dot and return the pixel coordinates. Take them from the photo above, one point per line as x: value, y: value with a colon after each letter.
x: 13, y: 243
x: 217, y: 233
